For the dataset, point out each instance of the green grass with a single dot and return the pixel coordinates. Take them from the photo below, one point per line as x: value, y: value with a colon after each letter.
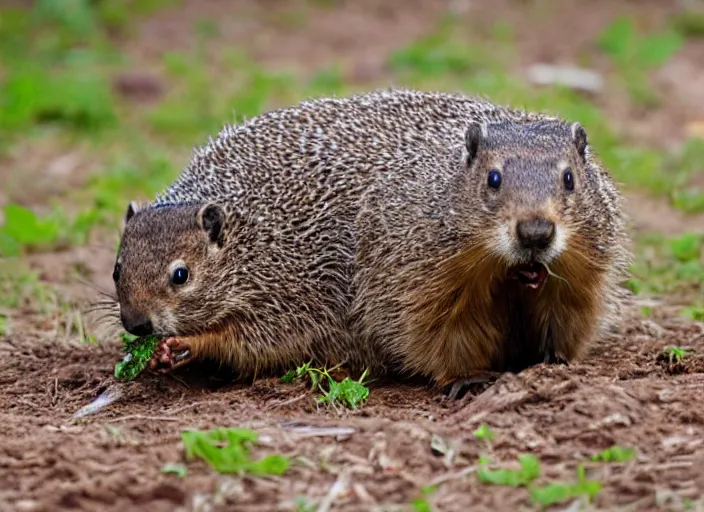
x: 635, y: 53
x: 671, y: 266
x: 227, y: 450
x: 21, y: 287
x: 25, y: 231
x: 348, y: 392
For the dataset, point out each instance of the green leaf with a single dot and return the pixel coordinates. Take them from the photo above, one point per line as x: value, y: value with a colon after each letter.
x: 687, y: 247
x: 138, y: 352
x: 552, y: 494
x: 615, y: 454
x: 226, y: 451
x: 178, y: 469
x: 618, y: 38
x: 656, y: 49
x: 530, y: 470
x: 484, y: 432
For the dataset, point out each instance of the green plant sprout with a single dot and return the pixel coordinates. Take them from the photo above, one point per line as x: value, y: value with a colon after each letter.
x: 675, y: 354
x: 351, y: 393
x: 227, y: 450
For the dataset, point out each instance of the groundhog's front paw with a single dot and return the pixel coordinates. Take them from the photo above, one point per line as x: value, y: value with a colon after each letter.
x: 460, y: 387
x: 170, y: 354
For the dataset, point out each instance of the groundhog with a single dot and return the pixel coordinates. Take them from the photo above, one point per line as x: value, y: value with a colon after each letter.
x: 427, y: 234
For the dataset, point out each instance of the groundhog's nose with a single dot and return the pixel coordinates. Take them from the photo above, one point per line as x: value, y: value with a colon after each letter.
x: 536, y: 233
x: 135, y: 323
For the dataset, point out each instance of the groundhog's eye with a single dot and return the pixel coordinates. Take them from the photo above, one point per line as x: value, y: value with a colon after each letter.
x: 179, y: 276
x: 116, y: 273
x: 568, y: 179
x: 494, y: 179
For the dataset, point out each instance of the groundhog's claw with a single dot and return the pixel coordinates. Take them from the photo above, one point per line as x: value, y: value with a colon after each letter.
x: 170, y: 354
x: 461, y: 386
x: 552, y: 358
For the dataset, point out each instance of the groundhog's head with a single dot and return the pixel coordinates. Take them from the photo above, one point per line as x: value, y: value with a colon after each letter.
x: 168, y: 274
x: 534, y: 196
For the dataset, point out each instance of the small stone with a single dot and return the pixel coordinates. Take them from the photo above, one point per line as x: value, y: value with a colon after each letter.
x: 568, y: 76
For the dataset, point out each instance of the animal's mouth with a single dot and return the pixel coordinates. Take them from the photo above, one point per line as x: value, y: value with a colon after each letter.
x: 530, y: 275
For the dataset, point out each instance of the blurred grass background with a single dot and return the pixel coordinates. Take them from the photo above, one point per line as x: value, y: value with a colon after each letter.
x: 102, y: 101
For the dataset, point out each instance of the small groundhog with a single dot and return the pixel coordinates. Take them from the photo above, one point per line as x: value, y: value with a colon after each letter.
x: 427, y: 234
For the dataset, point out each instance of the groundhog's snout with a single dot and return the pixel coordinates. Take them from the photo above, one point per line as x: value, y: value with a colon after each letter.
x: 135, y: 322
x: 536, y: 233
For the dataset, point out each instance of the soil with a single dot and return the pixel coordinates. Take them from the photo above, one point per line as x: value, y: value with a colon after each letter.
x: 622, y: 393
x: 379, y: 457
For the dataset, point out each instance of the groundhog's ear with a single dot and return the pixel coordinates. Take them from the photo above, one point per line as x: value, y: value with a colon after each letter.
x: 211, y: 218
x: 132, y: 208
x: 579, y: 136
x: 472, y: 138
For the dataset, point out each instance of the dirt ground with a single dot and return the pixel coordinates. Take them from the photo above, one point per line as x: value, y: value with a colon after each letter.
x: 379, y: 457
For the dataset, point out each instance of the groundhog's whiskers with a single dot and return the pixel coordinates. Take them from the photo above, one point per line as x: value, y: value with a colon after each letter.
x: 553, y: 274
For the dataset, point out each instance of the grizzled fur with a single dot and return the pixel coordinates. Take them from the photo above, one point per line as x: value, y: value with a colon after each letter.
x: 361, y: 229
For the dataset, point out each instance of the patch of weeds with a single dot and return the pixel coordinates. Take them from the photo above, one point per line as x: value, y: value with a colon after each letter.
x: 695, y: 313
x: 635, y: 54
x: 438, y: 55
x: 552, y: 494
x: 54, y: 57
x: 76, y: 95
x: 189, y: 112
x: 143, y: 175
x: 671, y: 266
x: 25, y: 231
x: 681, y: 166
x: 258, y: 92
x: 421, y: 504
x: 529, y: 471
x: 21, y: 287
x: 177, y: 469
x: 614, y: 454
x: 199, y: 104
x: 3, y: 325
x: 678, y: 360
x: 325, y: 82
x: 349, y: 393
x: 227, y: 450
